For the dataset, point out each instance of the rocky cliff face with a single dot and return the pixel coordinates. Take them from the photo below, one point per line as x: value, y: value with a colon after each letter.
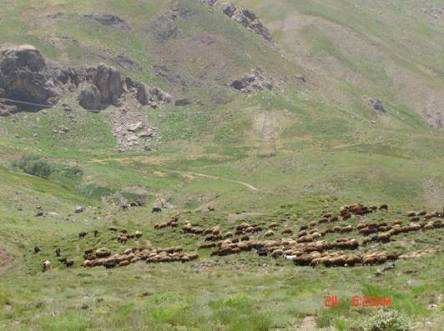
x: 28, y: 79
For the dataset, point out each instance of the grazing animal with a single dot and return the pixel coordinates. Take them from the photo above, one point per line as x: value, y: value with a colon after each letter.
x: 69, y: 263
x: 96, y: 233
x: 156, y: 209
x: 46, y: 265
x: 36, y: 249
x: 57, y: 252
x: 82, y: 235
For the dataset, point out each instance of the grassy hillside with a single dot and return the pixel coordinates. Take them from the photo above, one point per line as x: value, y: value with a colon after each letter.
x: 285, y: 155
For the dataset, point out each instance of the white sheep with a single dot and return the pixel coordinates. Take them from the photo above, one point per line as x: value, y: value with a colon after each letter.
x: 46, y: 265
x: 290, y: 257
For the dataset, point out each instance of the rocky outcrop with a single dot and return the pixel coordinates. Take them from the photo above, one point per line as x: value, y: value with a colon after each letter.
x: 89, y: 97
x: 148, y: 96
x: 28, y: 79
x: 248, y: 19
x: 24, y: 75
x: 253, y: 81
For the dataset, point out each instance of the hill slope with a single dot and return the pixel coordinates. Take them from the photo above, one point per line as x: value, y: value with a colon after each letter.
x: 220, y: 156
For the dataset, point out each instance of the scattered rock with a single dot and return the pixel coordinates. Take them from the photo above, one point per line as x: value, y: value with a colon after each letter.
x: 377, y: 105
x: 127, y: 63
x: 165, y: 27
x: 135, y: 127
x: 254, y: 81
x: 386, y: 266
x: 170, y: 75
x: 109, y: 20
x: 183, y: 102
x: 55, y: 15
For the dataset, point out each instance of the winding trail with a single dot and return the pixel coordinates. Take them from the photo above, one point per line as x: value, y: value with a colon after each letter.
x: 189, y: 174
x: 197, y: 174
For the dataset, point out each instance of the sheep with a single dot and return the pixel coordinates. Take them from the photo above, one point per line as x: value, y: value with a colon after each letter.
x: 261, y: 250
x: 334, y: 219
x: 287, y: 231
x: 36, y: 249
x: 82, y: 235
x: 156, y: 209
x: 227, y: 235
x: 383, y: 207
x: 69, y: 263
x: 122, y: 238
x: 276, y: 253
x: 323, y: 220
x: 46, y: 265
x: 103, y: 252
x: 269, y: 233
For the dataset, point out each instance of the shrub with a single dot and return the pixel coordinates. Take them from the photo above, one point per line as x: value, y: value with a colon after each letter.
x: 386, y: 320
x: 34, y: 165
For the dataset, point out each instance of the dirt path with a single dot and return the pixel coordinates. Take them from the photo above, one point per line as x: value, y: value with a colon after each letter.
x: 191, y: 174
x: 188, y: 174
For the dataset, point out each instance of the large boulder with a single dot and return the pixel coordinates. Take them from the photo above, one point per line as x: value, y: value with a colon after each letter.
x: 90, y: 97
x: 152, y: 96
x: 109, y: 82
x: 25, y: 76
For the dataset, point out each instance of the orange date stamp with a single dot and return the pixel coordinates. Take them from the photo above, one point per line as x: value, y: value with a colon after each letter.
x: 365, y: 301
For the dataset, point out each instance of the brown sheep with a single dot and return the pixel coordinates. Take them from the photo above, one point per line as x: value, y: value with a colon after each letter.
x: 103, y: 252
x: 287, y: 231
x: 269, y: 233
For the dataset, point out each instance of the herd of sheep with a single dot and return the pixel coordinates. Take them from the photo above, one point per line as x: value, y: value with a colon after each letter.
x: 306, y: 246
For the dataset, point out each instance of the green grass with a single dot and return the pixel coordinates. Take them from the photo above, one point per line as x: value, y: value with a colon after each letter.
x: 330, y: 151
